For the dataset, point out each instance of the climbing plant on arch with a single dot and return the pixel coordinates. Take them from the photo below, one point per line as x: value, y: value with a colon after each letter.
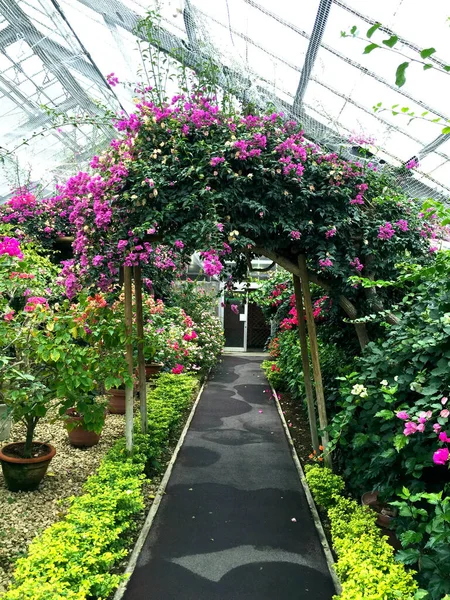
x: 210, y: 178
x: 204, y: 175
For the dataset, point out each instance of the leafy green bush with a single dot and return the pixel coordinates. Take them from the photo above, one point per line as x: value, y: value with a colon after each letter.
x: 408, y: 371
x: 274, y: 374
x: 324, y: 484
x: 72, y: 559
x: 366, y: 566
x: 423, y: 526
x: 333, y: 361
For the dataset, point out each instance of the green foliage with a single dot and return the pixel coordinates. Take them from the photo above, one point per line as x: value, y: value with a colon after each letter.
x: 333, y: 361
x: 423, y: 526
x: 72, y: 559
x: 366, y: 566
x: 324, y: 484
x: 408, y: 371
x: 274, y: 374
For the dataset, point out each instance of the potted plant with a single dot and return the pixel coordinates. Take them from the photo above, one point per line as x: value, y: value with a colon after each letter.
x: 24, y: 464
x: 27, y: 357
x: 84, y: 421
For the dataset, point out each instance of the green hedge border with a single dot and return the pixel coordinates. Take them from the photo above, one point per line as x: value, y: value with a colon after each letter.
x: 366, y: 564
x: 73, y: 559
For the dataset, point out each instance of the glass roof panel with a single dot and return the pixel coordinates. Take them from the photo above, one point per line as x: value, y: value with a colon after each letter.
x: 264, y: 40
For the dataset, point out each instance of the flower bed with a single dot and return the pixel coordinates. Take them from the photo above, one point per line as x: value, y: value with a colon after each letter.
x: 73, y: 558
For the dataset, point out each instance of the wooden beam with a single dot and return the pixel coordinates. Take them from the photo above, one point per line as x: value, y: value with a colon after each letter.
x: 127, y: 275
x: 140, y: 346
x: 320, y: 397
x: 305, y: 363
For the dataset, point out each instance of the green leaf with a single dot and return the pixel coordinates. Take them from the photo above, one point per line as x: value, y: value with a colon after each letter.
x: 400, y: 76
x: 400, y: 441
x: 426, y: 52
x: 385, y: 414
x: 446, y: 130
x: 447, y: 68
x: 390, y: 43
x: 368, y: 49
x: 372, y: 30
x: 353, y: 30
x: 427, y: 66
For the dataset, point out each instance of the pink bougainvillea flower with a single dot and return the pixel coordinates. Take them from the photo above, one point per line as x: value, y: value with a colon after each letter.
x: 437, y: 427
x: 403, y: 415
x: 33, y: 302
x: 410, y: 428
x: 219, y: 226
x: 421, y: 427
x: 10, y: 246
x: 444, y: 413
x: 112, y: 79
x: 444, y: 437
x: 9, y: 316
x: 386, y: 231
x: 440, y: 457
x: 444, y: 400
x: 177, y: 369
x: 295, y: 235
x: 179, y: 244
x: 326, y: 262
x: 235, y: 309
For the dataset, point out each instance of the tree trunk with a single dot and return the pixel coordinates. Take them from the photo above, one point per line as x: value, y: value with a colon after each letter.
x: 141, y: 357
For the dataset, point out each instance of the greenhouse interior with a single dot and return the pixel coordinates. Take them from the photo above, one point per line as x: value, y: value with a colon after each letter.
x: 224, y: 300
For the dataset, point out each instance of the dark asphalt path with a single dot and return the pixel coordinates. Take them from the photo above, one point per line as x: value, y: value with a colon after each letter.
x: 225, y: 529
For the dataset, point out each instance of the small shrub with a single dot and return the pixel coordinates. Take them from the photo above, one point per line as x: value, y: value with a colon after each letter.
x: 324, y: 484
x: 366, y: 565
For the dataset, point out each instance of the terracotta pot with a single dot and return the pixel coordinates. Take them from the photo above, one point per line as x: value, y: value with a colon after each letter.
x: 152, y: 370
x: 78, y: 435
x: 116, y: 404
x: 24, y: 474
x: 385, y: 515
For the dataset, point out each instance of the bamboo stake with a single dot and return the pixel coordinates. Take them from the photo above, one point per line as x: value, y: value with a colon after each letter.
x: 320, y: 397
x: 129, y: 358
x: 305, y: 364
x: 140, y: 346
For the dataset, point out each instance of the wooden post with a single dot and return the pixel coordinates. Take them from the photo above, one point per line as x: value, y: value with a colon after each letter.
x: 314, y: 355
x: 129, y: 358
x: 305, y: 364
x: 140, y: 346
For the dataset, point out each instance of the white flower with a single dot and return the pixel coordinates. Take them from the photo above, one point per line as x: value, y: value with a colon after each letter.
x: 396, y: 378
x: 384, y: 382
x: 359, y: 390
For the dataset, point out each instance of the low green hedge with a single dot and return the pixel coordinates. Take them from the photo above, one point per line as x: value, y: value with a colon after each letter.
x: 366, y: 564
x: 72, y: 559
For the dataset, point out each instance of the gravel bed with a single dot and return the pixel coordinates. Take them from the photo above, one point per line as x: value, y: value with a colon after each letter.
x: 23, y: 515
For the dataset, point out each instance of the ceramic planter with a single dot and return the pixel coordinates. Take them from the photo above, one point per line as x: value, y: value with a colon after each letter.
x: 152, y: 370
x: 116, y: 404
x: 25, y: 474
x: 78, y: 435
x: 385, y: 517
x: 5, y: 422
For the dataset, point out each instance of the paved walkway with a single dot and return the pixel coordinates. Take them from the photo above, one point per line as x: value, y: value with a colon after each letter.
x: 235, y: 523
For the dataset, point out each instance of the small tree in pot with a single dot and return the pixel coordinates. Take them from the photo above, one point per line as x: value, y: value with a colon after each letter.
x: 26, y: 382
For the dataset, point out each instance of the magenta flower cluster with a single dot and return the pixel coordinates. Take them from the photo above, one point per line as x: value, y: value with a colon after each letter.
x: 411, y: 426
x: 11, y: 247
